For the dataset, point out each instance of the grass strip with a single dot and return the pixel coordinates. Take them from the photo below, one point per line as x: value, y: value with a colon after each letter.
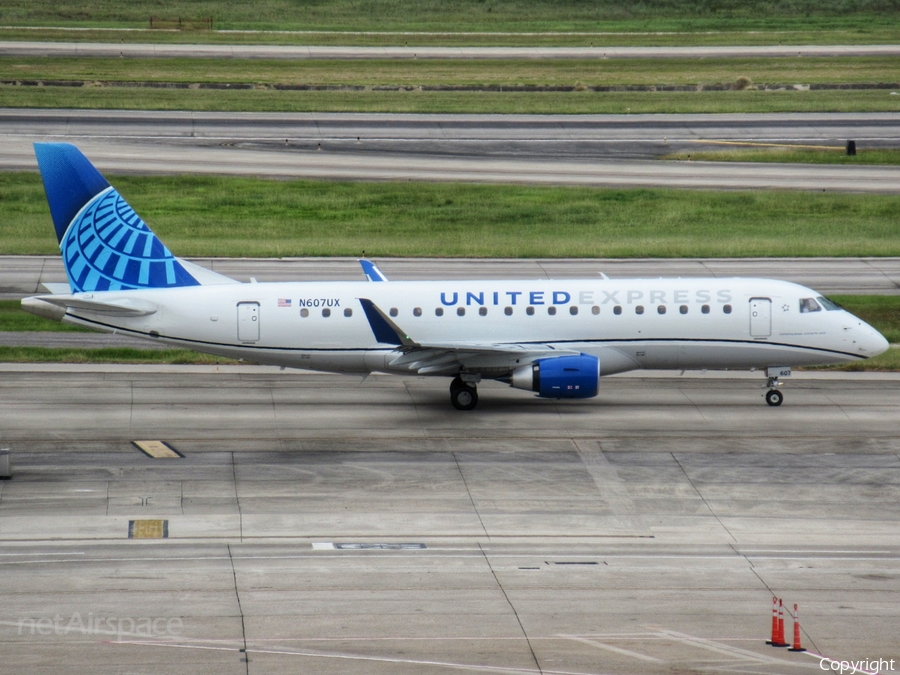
x: 416, y: 101
x: 836, y: 155
x: 13, y: 319
x: 108, y: 355
x: 443, y: 72
x: 252, y: 217
x: 614, y: 34
x: 468, y: 15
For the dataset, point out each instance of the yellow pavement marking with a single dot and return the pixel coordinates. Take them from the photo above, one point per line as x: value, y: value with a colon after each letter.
x: 157, y: 449
x: 148, y: 529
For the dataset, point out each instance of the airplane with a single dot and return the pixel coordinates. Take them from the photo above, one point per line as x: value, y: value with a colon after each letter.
x: 555, y: 338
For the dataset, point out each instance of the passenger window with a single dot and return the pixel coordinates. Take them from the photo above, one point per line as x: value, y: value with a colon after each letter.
x: 661, y: 309
x: 809, y: 305
x: 529, y: 311
x: 639, y: 309
x: 439, y: 311
x: 508, y: 311
x: 551, y: 310
x: 595, y: 310
x: 482, y: 311
x: 304, y: 312
x: 726, y: 309
x: 683, y: 309
x: 573, y: 310
x: 460, y: 311
x: 394, y: 311
x: 617, y: 310
x: 348, y: 312
x: 326, y: 312
x: 705, y: 309
x: 417, y: 311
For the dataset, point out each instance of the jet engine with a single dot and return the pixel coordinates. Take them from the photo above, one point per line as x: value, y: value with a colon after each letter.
x: 560, y: 376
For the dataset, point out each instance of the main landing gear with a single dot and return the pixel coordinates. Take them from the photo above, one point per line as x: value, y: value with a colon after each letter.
x: 463, y: 395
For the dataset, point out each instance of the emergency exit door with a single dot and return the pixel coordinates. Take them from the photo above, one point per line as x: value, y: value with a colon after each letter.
x: 760, y: 317
x: 248, y: 321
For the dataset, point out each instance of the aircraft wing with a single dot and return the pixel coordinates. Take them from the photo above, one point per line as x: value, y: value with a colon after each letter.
x: 430, y: 358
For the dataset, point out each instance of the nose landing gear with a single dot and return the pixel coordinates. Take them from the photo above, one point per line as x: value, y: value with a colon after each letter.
x: 774, y: 397
x: 463, y: 395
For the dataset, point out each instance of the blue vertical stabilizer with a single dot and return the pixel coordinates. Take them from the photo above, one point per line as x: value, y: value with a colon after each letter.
x: 105, y: 245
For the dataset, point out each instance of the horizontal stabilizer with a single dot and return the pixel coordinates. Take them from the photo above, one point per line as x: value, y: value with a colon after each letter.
x: 122, y: 307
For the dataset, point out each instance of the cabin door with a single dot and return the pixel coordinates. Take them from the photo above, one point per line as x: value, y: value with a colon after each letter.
x: 760, y: 317
x: 248, y: 321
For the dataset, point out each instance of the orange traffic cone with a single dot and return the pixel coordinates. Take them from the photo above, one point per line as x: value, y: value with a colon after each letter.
x: 774, y: 639
x: 780, y: 638
x: 796, y: 647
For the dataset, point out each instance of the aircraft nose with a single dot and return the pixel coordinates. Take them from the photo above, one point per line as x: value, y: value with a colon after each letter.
x: 876, y: 344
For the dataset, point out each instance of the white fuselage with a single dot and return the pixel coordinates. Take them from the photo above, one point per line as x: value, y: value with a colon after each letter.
x: 627, y: 324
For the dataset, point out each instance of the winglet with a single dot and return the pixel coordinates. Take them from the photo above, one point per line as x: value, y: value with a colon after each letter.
x: 371, y: 270
x: 385, y: 330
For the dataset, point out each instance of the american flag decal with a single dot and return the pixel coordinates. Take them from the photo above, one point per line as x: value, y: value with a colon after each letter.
x: 284, y: 302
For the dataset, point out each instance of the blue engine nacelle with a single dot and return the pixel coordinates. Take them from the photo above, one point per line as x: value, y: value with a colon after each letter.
x: 560, y: 376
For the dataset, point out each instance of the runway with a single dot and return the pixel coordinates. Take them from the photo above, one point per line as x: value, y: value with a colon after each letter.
x: 324, y: 524
x: 213, y: 51
x: 600, y: 150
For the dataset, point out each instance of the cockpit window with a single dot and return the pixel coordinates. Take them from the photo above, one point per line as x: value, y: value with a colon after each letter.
x: 809, y: 305
x: 830, y: 305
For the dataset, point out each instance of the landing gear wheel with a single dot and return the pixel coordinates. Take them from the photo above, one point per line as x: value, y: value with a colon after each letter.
x: 774, y: 397
x: 463, y: 397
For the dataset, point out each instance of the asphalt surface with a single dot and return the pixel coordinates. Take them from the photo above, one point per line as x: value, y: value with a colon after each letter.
x: 603, y: 150
x: 24, y: 48
x: 322, y: 524
x: 523, y: 137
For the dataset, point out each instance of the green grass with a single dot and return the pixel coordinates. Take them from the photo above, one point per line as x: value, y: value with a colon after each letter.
x: 431, y: 72
x: 108, y: 355
x: 887, y: 362
x: 13, y: 319
x: 573, y: 103
x: 613, y: 34
x: 468, y: 15
x: 837, y: 155
x: 222, y: 216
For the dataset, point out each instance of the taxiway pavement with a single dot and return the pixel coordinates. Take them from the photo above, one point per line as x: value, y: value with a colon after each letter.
x: 599, y: 150
x: 324, y: 524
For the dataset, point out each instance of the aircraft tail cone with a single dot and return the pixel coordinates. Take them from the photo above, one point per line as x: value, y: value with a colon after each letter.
x: 796, y: 647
